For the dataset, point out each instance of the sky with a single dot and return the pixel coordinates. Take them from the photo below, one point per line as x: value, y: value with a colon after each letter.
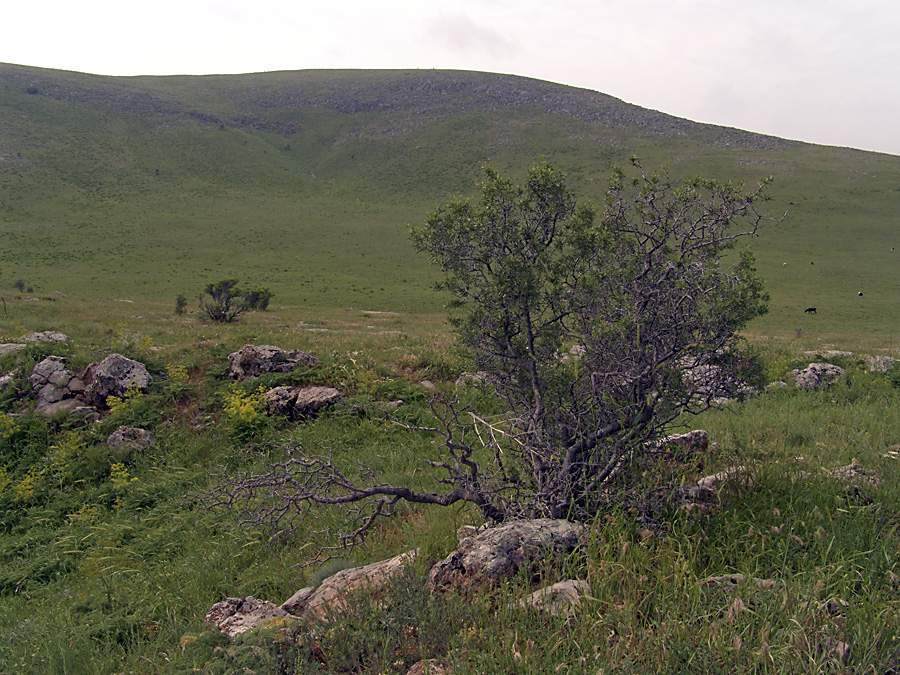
x: 822, y: 71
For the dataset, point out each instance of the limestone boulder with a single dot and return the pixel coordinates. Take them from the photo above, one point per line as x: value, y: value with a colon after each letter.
x: 234, y: 616
x: 126, y: 441
x: 316, y: 602
x: 56, y: 388
x: 815, y: 376
x: 113, y: 376
x: 707, y: 488
x: 499, y: 553
x: 11, y: 348
x: 46, y: 336
x: 253, y: 360
x: 559, y: 599
x: 879, y: 364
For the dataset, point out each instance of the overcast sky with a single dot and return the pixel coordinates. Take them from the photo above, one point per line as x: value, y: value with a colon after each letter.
x: 824, y: 71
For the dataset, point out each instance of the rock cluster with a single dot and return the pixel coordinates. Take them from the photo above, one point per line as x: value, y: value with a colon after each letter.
x: 489, y: 556
x: 57, y: 389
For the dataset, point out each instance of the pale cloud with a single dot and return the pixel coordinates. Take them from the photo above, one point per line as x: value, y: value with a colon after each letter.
x: 460, y: 34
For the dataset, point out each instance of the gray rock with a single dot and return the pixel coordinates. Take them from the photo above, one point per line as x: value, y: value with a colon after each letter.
x: 46, y: 336
x: 234, y: 616
x: 296, y: 604
x: 707, y: 488
x: 11, y: 347
x: 559, y: 599
x: 125, y: 441
x: 7, y: 378
x: 315, y: 603
x: 253, y: 360
x: 299, y: 402
x: 56, y: 388
x: 113, y: 376
x: 879, y: 364
x: 693, y: 441
x: 67, y: 406
x: 498, y: 553
x: 815, y: 375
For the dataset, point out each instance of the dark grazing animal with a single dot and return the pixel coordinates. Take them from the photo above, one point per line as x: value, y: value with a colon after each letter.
x: 810, y: 310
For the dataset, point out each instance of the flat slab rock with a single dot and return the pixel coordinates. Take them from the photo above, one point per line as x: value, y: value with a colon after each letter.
x: 315, y: 602
x: 46, y: 336
x: 498, y: 553
x: 299, y: 402
x: 11, y: 347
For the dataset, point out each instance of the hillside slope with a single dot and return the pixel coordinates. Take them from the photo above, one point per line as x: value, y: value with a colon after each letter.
x: 306, y: 182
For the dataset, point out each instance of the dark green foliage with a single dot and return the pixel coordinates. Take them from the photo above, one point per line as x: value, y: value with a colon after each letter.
x: 637, y: 292
x: 894, y: 375
x: 223, y: 301
x: 180, y: 304
x: 257, y: 298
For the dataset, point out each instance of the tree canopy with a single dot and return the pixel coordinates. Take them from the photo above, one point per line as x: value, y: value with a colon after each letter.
x: 597, y: 326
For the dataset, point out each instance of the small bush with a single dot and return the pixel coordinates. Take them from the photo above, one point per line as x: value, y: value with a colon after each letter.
x: 222, y: 301
x: 180, y: 304
x: 258, y: 298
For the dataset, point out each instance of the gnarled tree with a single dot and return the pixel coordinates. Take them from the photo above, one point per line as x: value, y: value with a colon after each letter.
x: 596, y: 326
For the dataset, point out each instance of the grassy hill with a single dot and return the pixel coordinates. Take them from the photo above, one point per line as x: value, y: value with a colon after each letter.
x: 306, y: 182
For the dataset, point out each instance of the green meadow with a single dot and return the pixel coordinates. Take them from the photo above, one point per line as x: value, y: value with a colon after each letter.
x: 117, y: 194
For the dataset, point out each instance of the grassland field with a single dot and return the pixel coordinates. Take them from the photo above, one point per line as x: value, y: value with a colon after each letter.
x: 108, y: 567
